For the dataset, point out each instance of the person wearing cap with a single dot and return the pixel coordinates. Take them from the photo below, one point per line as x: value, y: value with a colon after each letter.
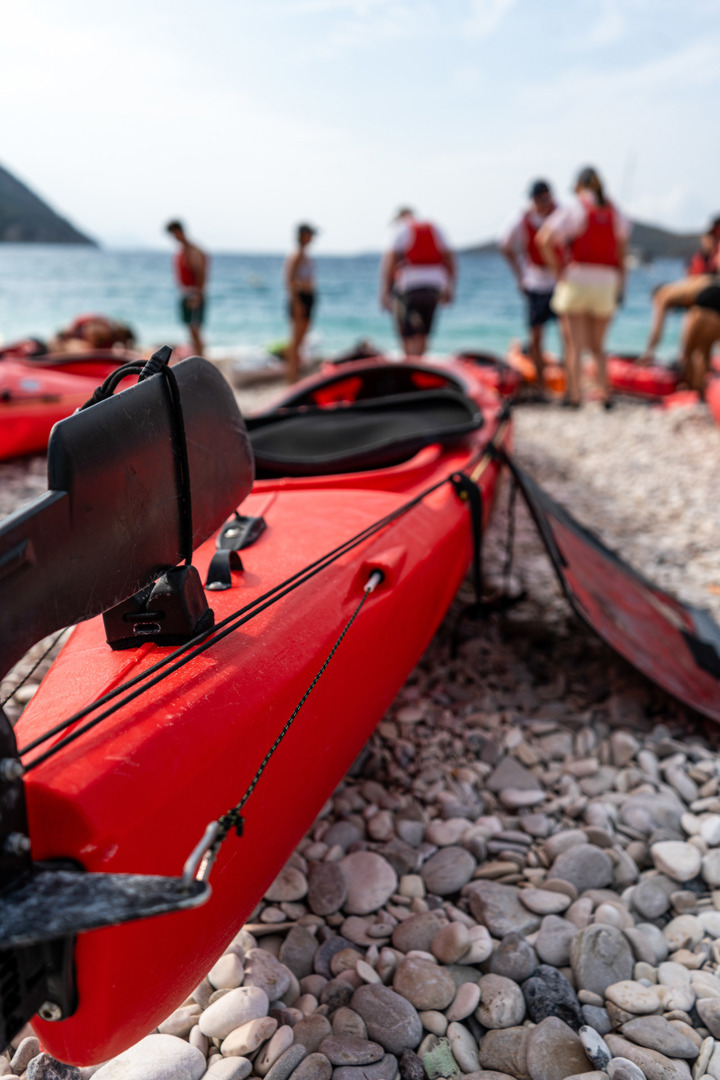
x: 592, y: 283
x: 536, y: 280
x: 302, y: 296
x: 416, y: 274
x: 191, y: 271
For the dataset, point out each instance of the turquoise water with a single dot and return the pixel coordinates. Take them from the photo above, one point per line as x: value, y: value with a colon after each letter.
x: 44, y: 287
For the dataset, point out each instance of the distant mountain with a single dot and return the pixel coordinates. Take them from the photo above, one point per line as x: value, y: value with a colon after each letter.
x: 647, y: 242
x: 26, y: 219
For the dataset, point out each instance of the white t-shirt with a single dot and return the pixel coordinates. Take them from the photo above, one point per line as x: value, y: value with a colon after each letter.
x: 570, y: 221
x: 533, y: 278
x: 410, y: 276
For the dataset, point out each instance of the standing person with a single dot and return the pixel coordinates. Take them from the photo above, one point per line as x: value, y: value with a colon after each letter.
x: 590, y: 287
x: 302, y: 296
x: 536, y: 280
x: 416, y: 274
x: 191, y: 270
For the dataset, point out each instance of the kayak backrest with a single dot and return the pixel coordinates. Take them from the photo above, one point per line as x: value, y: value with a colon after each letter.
x: 361, y: 435
x: 110, y: 522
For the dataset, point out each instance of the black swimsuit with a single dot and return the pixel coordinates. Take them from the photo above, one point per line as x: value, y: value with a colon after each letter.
x: 709, y: 299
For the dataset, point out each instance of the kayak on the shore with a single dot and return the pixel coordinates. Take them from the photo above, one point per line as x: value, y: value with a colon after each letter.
x: 31, y: 402
x: 372, y: 486
x: 626, y: 374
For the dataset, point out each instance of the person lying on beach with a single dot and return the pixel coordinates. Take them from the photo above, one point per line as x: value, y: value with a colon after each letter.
x: 675, y: 296
x: 90, y: 332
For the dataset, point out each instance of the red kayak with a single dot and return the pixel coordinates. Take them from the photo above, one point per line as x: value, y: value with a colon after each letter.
x: 31, y: 402
x: 371, y: 486
x: 712, y: 396
x: 626, y: 375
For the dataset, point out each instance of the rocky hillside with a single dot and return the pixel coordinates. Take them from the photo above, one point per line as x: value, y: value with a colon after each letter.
x: 26, y: 219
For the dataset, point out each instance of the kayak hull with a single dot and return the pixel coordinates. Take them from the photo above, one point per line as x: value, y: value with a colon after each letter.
x: 31, y: 402
x: 136, y: 793
x: 625, y: 374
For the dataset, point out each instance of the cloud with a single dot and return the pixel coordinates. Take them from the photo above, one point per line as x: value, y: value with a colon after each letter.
x: 486, y: 16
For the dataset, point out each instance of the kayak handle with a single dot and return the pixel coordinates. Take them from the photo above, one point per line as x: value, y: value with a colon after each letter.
x: 199, y: 862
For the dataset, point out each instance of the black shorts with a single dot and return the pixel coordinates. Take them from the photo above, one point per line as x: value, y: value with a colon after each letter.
x: 416, y: 310
x: 192, y: 315
x: 709, y: 299
x: 307, y: 303
x: 539, y: 310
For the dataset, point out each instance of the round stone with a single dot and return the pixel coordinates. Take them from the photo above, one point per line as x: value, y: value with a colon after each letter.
x: 311, y: 1031
x: 465, y: 1002
x: 416, y: 932
x: 709, y: 1012
x: 678, y: 860
x: 425, y: 985
x: 312, y: 1067
x: 543, y: 901
x: 348, y: 1050
x: 232, y: 1010
x: 502, y: 1004
x: 595, y: 1047
x: 227, y: 973
x: 264, y: 970
x: 247, y: 1038
x: 451, y: 942
x: 651, y: 897
x: 290, y: 884
x: 327, y: 887
x: 657, y: 1033
x: 448, y: 870
x: 549, y: 993
x: 504, y: 1050
x: 554, y: 1051
x: 633, y: 996
x: 389, y: 1017
x: 554, y: 940
x: 585, y: 866
x: 498, y: 908
x: 464, y: 1048
x: 600, y: 956
x: 161, y: 1056
x: 514, y: 958
x: 371, y: 882
x: 711, y: 868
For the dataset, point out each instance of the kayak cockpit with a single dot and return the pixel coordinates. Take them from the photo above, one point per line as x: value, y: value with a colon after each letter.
x: 371, y: 418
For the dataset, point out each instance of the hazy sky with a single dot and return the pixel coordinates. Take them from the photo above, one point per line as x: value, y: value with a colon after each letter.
x: 244, y: 117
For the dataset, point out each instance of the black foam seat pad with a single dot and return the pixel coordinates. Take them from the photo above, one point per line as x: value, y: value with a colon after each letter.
x: 357, y: 436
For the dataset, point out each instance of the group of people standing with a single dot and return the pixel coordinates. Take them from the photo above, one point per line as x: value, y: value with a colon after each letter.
x: 569, y: 262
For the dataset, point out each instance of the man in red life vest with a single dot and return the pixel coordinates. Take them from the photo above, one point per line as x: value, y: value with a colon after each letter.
x: 534, y: 277
x: 191, y: 267
x: 416, y: 275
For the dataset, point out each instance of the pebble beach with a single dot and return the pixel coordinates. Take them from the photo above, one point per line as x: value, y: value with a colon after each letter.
x: 519, y: 879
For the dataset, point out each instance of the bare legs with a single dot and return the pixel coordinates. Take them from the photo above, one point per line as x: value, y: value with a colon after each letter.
x: 701, y: 331
x: 300, y: 327
x: 581, y: 333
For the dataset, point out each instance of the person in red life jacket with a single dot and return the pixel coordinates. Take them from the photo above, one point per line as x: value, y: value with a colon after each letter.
x: 592, y: 283
x: 707, y: 259
x: 300, y: 285
x: 535, y: 279
x: 191, y: 270
x: 416, y: 274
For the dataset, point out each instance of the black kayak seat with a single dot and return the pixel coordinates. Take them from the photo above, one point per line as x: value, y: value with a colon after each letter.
x: 360, y: 435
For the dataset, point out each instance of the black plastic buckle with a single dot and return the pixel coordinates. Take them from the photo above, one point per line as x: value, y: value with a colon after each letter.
x: 170, y: 612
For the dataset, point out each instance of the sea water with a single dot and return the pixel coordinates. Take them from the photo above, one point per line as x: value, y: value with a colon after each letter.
x: 42, y: 288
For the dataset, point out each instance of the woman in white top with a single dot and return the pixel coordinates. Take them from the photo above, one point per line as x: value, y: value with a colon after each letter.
x: 591, y: 283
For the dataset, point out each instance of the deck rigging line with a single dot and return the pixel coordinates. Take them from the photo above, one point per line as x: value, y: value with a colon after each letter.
x: 201, y: 643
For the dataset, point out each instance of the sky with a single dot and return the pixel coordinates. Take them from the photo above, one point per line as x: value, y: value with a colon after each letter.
x: 245, y: 117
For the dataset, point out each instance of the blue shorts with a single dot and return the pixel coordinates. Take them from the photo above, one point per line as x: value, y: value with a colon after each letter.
x: 192, y: 315
x: 539, y: 310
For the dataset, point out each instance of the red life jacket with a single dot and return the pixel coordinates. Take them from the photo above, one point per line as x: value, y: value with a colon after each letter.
x: 700, y: 264
x: 598, y: 244
x: 184, y: 271
x: 424, y: 249
x: 532, y: 251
